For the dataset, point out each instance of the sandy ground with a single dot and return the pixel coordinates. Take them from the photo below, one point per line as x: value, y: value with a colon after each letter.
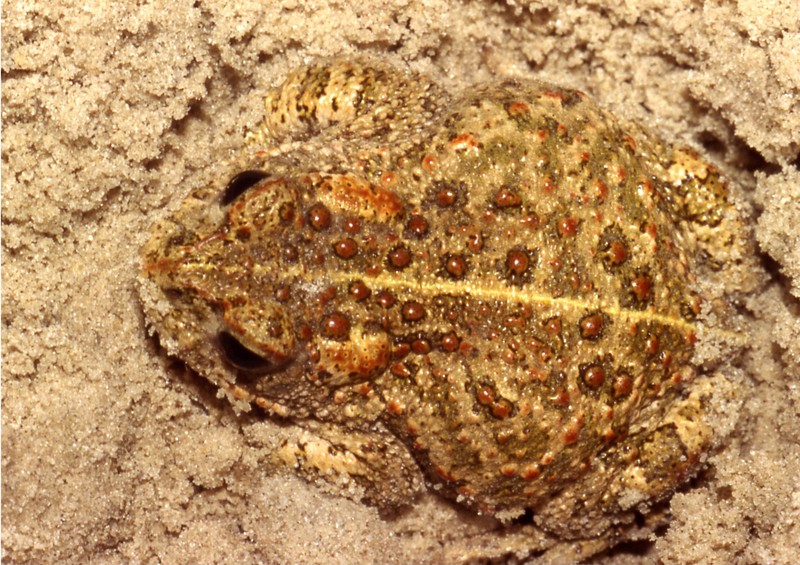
x: 113, y: 453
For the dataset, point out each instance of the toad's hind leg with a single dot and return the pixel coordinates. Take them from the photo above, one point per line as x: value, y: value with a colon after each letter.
x: 374, y: 464
x: 674, y: 450
x: 712, y: 227
x: 700, y: 200
x: 359, y: 97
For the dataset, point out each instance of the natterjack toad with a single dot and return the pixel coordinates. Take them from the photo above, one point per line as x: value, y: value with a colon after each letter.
x: 491, y: 293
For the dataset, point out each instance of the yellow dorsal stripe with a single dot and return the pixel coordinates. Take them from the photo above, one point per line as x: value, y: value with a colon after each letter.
x: 389, y: 281
x: 504, y: 294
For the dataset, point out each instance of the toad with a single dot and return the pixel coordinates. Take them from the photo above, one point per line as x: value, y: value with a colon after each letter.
x: 489, y: 293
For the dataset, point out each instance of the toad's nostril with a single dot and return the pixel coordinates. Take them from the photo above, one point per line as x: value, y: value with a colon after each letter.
x: 240, y: 183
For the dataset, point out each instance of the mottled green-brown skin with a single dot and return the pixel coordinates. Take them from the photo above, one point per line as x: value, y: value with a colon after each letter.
x: 491, y: 290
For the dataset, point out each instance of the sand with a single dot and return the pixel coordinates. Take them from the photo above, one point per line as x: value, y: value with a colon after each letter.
x: 111, y: 452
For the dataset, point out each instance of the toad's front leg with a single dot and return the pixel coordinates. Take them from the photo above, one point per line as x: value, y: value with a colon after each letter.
x: 342, y: 99
x: 374, y: 460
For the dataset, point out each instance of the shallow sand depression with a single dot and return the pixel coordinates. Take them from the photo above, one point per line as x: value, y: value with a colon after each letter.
x: 113, y: 452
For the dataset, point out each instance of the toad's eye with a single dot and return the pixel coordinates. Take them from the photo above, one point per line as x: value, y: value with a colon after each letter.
x: 247, y: 360
x: 240, y: 183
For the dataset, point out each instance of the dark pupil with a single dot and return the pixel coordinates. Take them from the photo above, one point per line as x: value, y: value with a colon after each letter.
x: 241, y: 357
x: 240, y: 183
